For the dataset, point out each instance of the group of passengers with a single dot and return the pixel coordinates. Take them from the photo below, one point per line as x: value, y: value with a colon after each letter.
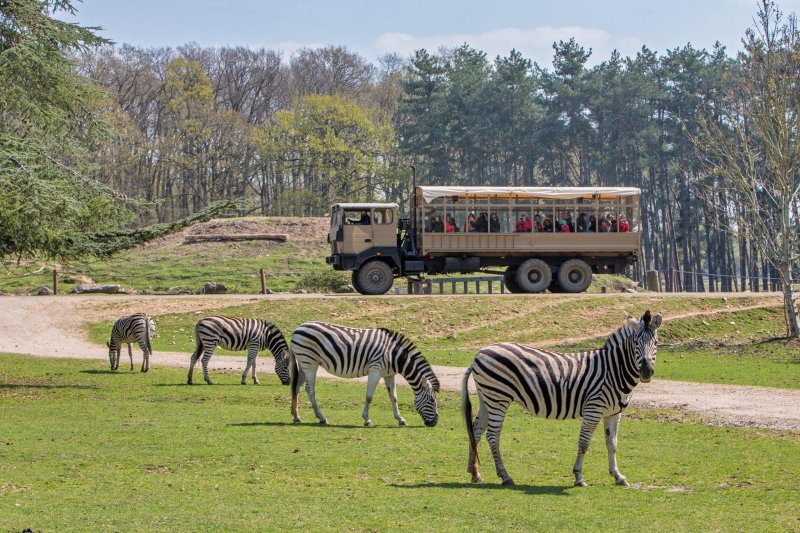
x: 484, y: 222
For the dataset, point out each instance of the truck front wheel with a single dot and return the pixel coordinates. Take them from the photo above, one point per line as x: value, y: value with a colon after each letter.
x: 534, y: 275
x: 375, y: 277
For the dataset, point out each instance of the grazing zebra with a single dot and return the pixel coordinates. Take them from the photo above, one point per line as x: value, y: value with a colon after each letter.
x: 594, y: 385
x: 138, y: 328
x: 236, y: 334
x: 350, y: 352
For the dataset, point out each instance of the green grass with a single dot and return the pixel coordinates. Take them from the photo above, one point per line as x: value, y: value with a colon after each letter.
x: 84, y: 449
x: 722, y: 348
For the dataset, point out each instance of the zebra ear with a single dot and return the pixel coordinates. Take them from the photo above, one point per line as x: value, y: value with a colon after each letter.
x: 656, y: 322
x: 646, y: 318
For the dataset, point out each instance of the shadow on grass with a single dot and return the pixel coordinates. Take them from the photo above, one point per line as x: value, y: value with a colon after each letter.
x: 527, y: 489
x: 198, y: 385
x: 317, y: 425
x: 43, y: 386
x: 95, y: 371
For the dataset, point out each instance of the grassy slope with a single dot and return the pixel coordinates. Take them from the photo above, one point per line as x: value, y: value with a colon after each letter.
x: 82, y: 449
x: 170, y: 263
x: 714, y: 348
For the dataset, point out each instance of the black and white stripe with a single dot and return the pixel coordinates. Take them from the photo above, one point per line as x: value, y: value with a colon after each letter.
x: 237, y: 334
x: 138, y: 328
x: 593, y: 385
x: 351, y: 352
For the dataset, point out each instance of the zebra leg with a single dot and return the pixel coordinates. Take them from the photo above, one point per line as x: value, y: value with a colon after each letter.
x: 478, y: 427
x: 311, y: 378
x: 611, y: 424
x: 192, y: 362
x: 209, y: 351
x: 590, y: 421
x: 130, y: 354
x: 301, y: 377
x: 373, y: 378
x: 493, y: 436
x: 390, y: 388
x: 252, y: 351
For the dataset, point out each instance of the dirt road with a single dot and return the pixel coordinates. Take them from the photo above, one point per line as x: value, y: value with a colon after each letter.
x: 53, y: 327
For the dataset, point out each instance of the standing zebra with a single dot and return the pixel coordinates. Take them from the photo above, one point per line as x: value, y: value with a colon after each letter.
x: 350, y: 352
x: 236, y: 334
x: 594, y: 385
x: 138, y: 328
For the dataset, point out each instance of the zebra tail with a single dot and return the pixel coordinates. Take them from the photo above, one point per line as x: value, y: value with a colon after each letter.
x: 466, y: 409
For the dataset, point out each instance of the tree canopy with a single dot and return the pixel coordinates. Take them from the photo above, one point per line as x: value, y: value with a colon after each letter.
x: 52, y: 120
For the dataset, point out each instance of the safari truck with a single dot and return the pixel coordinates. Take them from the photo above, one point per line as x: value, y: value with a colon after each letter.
x: 539, y: 238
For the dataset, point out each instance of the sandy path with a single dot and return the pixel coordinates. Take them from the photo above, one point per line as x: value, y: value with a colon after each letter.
x: 53, y: 327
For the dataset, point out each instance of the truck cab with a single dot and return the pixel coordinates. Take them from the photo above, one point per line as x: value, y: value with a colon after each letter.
x: 364, y: 239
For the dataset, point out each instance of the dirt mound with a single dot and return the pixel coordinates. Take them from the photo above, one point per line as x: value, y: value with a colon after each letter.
x: 296, y: 229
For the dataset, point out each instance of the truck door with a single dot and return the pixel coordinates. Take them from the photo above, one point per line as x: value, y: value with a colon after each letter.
x: 357, y: 231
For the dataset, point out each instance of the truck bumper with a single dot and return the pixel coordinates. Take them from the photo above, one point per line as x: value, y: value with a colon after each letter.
x: 334, y: 260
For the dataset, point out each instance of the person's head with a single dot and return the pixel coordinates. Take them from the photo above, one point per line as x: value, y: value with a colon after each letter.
x: 592, y: 218
x: 471, y: 217
x: 523, y: 216
x: 363, y: 212
x: 437, y: 218
x: 537, y: 218
x: 568, y: 214
x: 494, y: 215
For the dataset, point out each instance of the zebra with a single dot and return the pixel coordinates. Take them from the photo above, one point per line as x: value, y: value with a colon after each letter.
x: 594, y: 385
x: 350, y: 352
x: 138, y: 328
x: 251, y: 334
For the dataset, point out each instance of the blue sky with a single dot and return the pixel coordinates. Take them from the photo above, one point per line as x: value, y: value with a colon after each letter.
x: 374, y: 27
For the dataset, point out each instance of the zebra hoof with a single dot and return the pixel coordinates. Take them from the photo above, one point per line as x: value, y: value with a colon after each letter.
x: 476, y: 478
x: 368, y: 424
x: 244, y: 382
x: 323, y: 422
x: 581, y: 483
x: 297, y: 420
x: 401, y: 422
x: 622, y: 482
x: 256, y: 382
x: 508, y: 481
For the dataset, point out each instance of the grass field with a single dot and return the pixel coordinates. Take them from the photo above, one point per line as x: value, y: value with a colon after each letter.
x: 85, y: 449
x: 721, y: 346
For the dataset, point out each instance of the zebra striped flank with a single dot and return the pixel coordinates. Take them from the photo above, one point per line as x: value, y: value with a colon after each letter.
x: 138, y: 328
x: 377, y: 353
x: 592, y: 385
x: 237, y: 334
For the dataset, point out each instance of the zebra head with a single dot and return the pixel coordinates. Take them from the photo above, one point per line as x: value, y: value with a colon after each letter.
x: 113, y: 355
x: 425, y: 403
x: 646, y: 344
x: 282, y: 365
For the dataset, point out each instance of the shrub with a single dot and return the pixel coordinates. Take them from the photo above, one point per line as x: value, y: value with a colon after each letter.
x: 323, y: 280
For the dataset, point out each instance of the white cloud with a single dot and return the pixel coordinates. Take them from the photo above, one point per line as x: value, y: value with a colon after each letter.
x: 535, y: 44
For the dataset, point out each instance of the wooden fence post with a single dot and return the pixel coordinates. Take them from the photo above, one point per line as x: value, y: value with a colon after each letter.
x: 263, y: 281
x: 55, y: 281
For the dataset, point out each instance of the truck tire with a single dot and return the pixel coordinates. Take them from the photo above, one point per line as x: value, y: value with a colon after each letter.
x: 374, y: 277
x: 510, y: 281
x: 354, y: 281
x: 534, y: 275
x: 574, y: 275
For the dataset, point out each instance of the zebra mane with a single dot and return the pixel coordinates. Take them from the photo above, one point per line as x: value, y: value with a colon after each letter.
x: 400, y: 338
x: 627, y: 329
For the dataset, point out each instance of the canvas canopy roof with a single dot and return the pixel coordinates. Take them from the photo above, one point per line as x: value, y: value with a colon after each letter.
x: 366, y: 206
x: 430, y: 193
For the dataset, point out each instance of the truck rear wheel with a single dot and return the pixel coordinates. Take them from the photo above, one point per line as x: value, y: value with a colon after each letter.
x: 374, y: 277
x: 575, y: 275
x: 534, y: 275
x: 510, y: 281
